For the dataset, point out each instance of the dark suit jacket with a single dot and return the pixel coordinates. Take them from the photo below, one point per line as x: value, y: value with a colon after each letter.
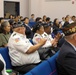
x: 65, y: 24
x: 66, y: 61
x: 28, y: 32
x: 55, y: 29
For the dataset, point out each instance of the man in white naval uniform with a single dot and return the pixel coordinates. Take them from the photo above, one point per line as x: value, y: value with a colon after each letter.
x: 23, y: 54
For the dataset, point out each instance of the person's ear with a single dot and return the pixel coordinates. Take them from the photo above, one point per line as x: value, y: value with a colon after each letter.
x: 74, y: 37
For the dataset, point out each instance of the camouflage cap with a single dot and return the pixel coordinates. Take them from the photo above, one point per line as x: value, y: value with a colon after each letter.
x: 69, y: 29
x: 18, y: 24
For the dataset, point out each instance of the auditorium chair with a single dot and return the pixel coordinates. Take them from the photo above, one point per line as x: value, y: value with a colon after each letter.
x: 31, y: 24
x: 47, y: 67
x: 5, y: 54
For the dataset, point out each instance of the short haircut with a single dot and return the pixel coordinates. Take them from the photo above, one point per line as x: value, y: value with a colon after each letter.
x: 48, y: 19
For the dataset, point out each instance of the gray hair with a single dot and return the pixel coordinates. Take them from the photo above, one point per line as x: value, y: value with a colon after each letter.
x: 3, y: 25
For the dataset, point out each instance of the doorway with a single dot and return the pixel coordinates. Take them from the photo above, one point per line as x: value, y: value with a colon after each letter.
x: 11, y: 8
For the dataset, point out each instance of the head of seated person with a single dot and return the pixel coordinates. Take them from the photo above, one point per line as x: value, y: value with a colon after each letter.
x: 5, y: 33
x: 1, y: 20
x: 5, y: 27
x: 38, y: 19
x: 67, y: 52
x: 26, y: 20
x: 38, y: 28
x: 11, y: 21
x: 56, y: 22
x: 47, y: 28
x: 19, y: 27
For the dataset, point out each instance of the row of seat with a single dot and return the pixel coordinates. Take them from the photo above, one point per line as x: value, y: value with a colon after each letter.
x: 47, y: 67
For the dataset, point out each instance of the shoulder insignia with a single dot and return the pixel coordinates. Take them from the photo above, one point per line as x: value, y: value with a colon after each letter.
x: 45, y: 35
x: 35, y: 35
x: 14, y: 34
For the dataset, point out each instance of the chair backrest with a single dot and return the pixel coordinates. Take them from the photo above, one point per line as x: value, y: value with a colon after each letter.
x: 52, y: 62
x: 42, y: 69
x: 31, y: 24
x: 5, y: 53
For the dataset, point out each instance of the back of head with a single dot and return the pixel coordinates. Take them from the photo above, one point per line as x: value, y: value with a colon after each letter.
x: 69, y: 29
x: 11, y: 21
x: 48, y: 19
x: 38, y: 19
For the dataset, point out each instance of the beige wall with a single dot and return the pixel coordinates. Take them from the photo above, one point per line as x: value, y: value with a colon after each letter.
x: 35, y: 7
x: 1, y: 8
x: 54, y: 9
x: 24, y: 7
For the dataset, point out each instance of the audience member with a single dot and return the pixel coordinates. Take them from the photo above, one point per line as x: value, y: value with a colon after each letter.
x: 47, y: 29
x: 28, y: 32
x: 44, y: 19
x: 10, y: 16
x: 11, y: 21
x: 48, y: 20
x: 67, y: 56
x: 45, y: 50
x: 32, y: 18
x: 56, y: 26
x: 73, y: 18
x: 38, y: 19
x: 5, y: 33
x: 24, y: 56
x: 63, y: 21
x: 66, y: 21
x: 69, y: 17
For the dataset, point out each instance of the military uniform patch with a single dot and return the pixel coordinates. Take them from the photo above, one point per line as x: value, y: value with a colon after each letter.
x: 17, y: 39
x: 37, y: 39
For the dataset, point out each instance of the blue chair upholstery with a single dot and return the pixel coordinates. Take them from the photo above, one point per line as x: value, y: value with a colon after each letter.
x: 42, y: 69
x: 31, y: 41
x: 52, y: 62
x: 29, y: 73
x: 31, y: 24
x: 4, y: 53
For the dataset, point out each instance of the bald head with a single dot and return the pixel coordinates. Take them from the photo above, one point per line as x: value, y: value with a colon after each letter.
x: 71, y: 39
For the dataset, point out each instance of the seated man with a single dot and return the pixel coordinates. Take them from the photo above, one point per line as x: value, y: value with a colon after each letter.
x: 66, y: 61
x: 23, y: 54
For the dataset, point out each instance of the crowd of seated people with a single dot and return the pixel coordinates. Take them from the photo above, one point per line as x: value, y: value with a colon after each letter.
x: 46, y: 35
